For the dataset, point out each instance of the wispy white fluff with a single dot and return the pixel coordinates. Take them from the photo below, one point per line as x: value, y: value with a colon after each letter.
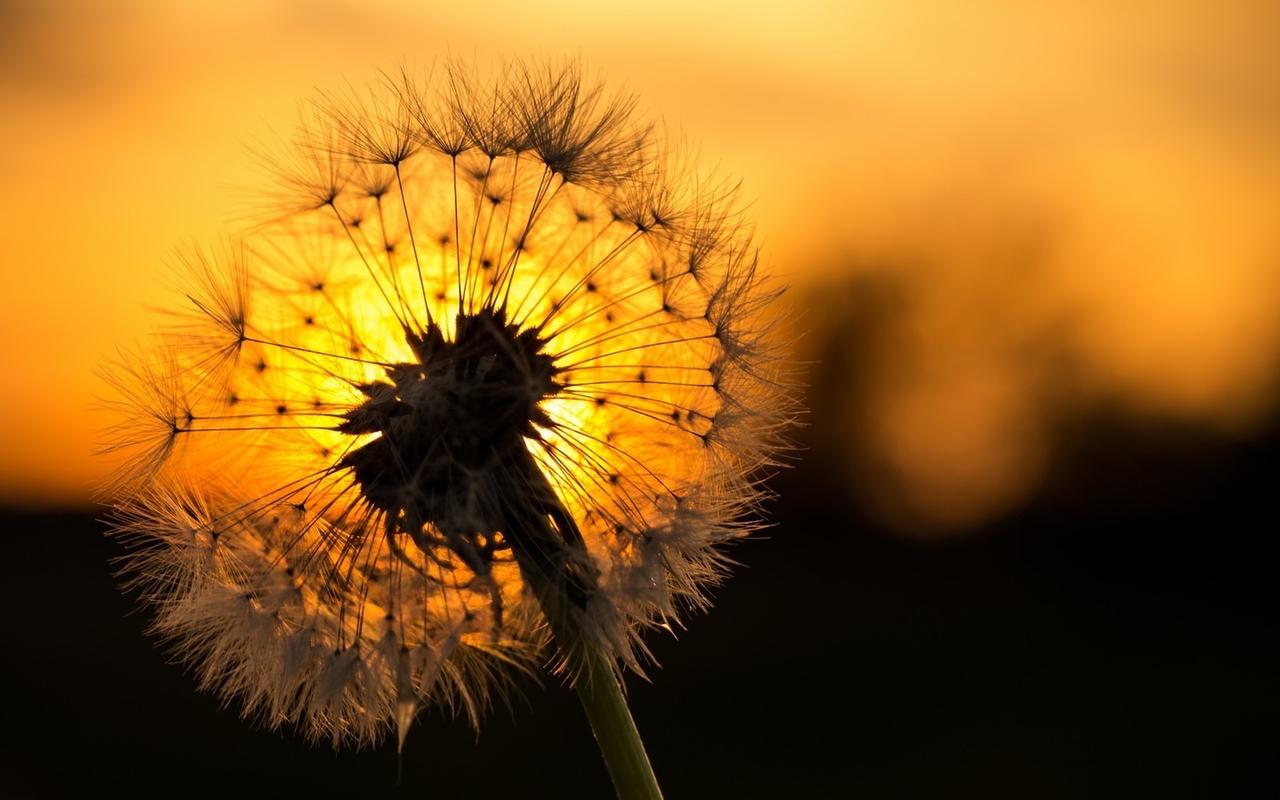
x: 342, y: 598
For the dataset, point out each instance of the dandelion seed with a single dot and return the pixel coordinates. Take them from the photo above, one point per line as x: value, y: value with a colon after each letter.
x: 491, y: 376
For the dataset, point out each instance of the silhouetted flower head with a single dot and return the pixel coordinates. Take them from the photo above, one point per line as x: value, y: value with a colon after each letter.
x: 491, y: 356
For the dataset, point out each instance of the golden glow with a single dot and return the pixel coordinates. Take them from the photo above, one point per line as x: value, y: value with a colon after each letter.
x: 286, y: 335
x: 1134, y: 145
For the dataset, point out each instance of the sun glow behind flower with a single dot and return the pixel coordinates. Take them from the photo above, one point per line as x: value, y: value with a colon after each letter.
x: 492, y: 360
x: 922, y: 143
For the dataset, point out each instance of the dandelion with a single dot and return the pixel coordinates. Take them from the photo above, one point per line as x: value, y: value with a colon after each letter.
x: 494, y: 378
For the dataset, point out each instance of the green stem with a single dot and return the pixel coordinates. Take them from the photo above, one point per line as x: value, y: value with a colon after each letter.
x: 615, y: 730
x: 542, y: 534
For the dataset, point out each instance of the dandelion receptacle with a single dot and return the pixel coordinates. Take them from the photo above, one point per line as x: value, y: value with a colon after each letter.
x: 490, y: 384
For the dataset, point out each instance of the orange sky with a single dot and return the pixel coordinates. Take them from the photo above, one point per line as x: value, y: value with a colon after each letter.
x: 1106, y: 181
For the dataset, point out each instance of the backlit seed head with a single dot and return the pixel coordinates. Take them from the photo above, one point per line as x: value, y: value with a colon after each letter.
x: 489, y: 357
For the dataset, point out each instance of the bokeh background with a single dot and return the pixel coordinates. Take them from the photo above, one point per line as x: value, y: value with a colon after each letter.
x: 1035, y: 259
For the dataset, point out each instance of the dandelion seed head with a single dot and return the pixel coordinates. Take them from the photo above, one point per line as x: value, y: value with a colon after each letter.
x: 490, y: 356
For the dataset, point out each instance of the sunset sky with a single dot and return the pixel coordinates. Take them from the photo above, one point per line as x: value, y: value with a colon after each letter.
x: 1055, y: 207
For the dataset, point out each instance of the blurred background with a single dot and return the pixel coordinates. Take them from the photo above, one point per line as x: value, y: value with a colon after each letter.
x: 1035, y: 262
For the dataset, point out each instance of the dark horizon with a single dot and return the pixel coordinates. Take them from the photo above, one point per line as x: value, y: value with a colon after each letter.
x: 1115, y: 637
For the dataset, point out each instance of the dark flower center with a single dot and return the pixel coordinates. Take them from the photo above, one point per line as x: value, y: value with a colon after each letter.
x: 451, y: 468
x: 448, y: 421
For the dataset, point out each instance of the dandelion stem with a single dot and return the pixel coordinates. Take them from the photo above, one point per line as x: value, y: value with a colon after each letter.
x: 616, y: 734
x: 600, y: 692
x: 543, y: 535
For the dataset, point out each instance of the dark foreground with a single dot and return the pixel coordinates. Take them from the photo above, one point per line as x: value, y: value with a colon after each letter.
x: 1115, y: 639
